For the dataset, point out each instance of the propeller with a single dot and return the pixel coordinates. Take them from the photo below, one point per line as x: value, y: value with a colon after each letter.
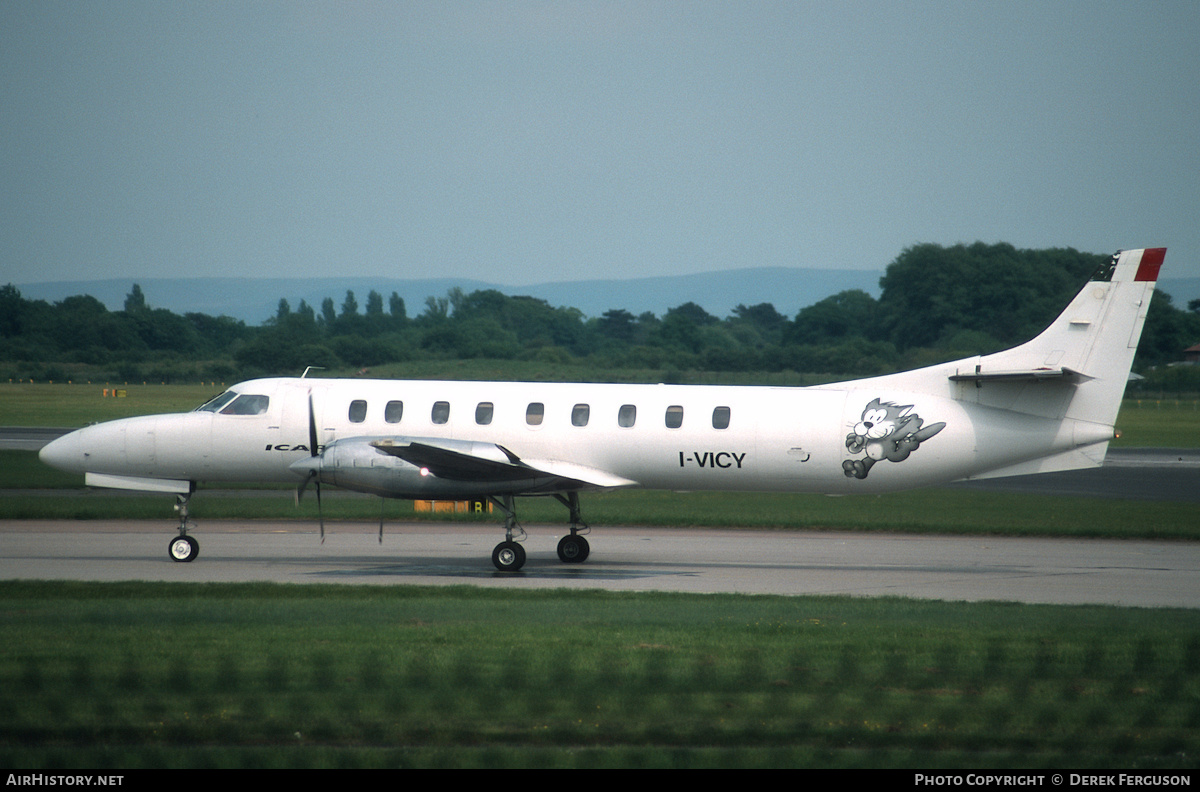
x: 313, y: 465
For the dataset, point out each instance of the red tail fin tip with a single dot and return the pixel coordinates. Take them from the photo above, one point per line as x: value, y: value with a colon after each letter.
x: 1152, y: 259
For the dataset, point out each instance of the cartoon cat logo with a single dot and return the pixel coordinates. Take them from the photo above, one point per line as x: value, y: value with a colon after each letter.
x: 886, y: 431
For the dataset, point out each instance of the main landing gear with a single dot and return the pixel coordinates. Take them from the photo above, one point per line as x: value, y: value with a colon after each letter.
x: 573, y: 548
x: 183, y: 547
x: 509, y: 555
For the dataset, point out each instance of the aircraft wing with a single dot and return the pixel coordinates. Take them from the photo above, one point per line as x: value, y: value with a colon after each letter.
x: 464, y: 460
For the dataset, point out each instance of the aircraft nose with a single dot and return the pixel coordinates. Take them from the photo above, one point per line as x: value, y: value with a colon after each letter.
x: 66, y: 453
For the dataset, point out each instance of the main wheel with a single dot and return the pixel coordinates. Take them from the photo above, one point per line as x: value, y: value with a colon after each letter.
x: 183, y: 548
x: 573, y: 549
x: 508, y: 556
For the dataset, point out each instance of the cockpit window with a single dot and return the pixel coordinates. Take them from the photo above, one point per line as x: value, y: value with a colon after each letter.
x: 247, y: 404
x: 216, y: 403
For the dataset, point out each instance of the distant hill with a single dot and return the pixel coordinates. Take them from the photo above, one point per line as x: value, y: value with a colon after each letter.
x: 254, y: 300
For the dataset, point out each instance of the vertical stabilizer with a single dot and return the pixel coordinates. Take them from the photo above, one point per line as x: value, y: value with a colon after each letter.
x: 1092, y: 343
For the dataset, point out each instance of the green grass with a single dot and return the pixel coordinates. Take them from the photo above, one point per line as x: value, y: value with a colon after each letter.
x: 1159, y: 423
x: 182, y: 675
x: 79, y: 404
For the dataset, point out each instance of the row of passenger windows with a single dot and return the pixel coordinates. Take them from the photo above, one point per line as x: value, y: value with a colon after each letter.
x: 535, y: 413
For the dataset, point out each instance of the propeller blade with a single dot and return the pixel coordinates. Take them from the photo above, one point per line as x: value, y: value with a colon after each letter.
x: 320, y: 514
x: 312, y: 445
x: 312, y: 426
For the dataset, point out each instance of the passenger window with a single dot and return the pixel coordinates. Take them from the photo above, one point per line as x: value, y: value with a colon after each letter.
x: 392, y: 411
x: 483, y: 413
x: 674, y: 416
x: 627, y: 415
x: 247, y: 405
x: 441, y: 412
x: 721, y: 418
x: 358, y: 411
x: 534, y: 413
x: 580, y: 415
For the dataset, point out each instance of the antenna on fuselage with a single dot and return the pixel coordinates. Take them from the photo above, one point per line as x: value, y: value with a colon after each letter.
x: 310, y: 368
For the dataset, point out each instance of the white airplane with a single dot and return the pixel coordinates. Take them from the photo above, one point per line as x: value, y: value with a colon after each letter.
x: 1049, y: 404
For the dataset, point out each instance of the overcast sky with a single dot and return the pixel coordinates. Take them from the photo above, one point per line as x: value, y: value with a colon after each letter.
x: 521, y: 142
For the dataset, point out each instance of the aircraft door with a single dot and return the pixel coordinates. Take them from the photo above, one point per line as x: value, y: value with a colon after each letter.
x: 799, y: 435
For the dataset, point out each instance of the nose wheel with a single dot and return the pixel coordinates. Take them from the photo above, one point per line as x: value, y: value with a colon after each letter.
x: 183, y: 548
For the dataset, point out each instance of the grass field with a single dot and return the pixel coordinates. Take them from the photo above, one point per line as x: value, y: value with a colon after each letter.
x: 78, y: 404
x: 141, y: 675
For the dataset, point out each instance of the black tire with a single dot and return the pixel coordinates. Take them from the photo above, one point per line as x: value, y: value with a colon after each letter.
x: 183, y: 549
x: 508, y: 556
x: 573, y: 549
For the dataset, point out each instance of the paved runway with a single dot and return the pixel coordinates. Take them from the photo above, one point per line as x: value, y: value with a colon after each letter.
x: 1060, y: 571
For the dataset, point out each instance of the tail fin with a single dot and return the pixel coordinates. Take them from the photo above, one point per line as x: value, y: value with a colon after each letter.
x: 1090, y: 346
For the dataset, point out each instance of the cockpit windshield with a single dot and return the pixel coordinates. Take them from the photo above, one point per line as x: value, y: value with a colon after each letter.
x: 231, y: 403
x: 247, y: 404
x: 216, y: 403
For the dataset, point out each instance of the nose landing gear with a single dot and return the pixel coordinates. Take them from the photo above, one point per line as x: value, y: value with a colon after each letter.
x: 183, y: 547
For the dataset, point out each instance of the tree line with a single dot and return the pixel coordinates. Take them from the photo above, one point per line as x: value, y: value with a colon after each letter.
x: 936, y: 303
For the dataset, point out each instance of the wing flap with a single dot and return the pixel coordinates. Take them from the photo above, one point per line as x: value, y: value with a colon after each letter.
x: 581, y: 473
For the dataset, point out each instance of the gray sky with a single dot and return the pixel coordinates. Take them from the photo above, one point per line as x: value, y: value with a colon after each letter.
x: 521, y: 142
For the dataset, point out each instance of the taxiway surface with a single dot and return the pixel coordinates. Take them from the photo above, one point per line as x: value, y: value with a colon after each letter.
x: 1058, y: 571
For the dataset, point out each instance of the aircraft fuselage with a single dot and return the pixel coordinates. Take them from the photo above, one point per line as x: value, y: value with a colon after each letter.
x: 730, y: 438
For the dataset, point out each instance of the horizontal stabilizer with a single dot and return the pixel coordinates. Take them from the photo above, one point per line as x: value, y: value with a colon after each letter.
x: 1066, y: 375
